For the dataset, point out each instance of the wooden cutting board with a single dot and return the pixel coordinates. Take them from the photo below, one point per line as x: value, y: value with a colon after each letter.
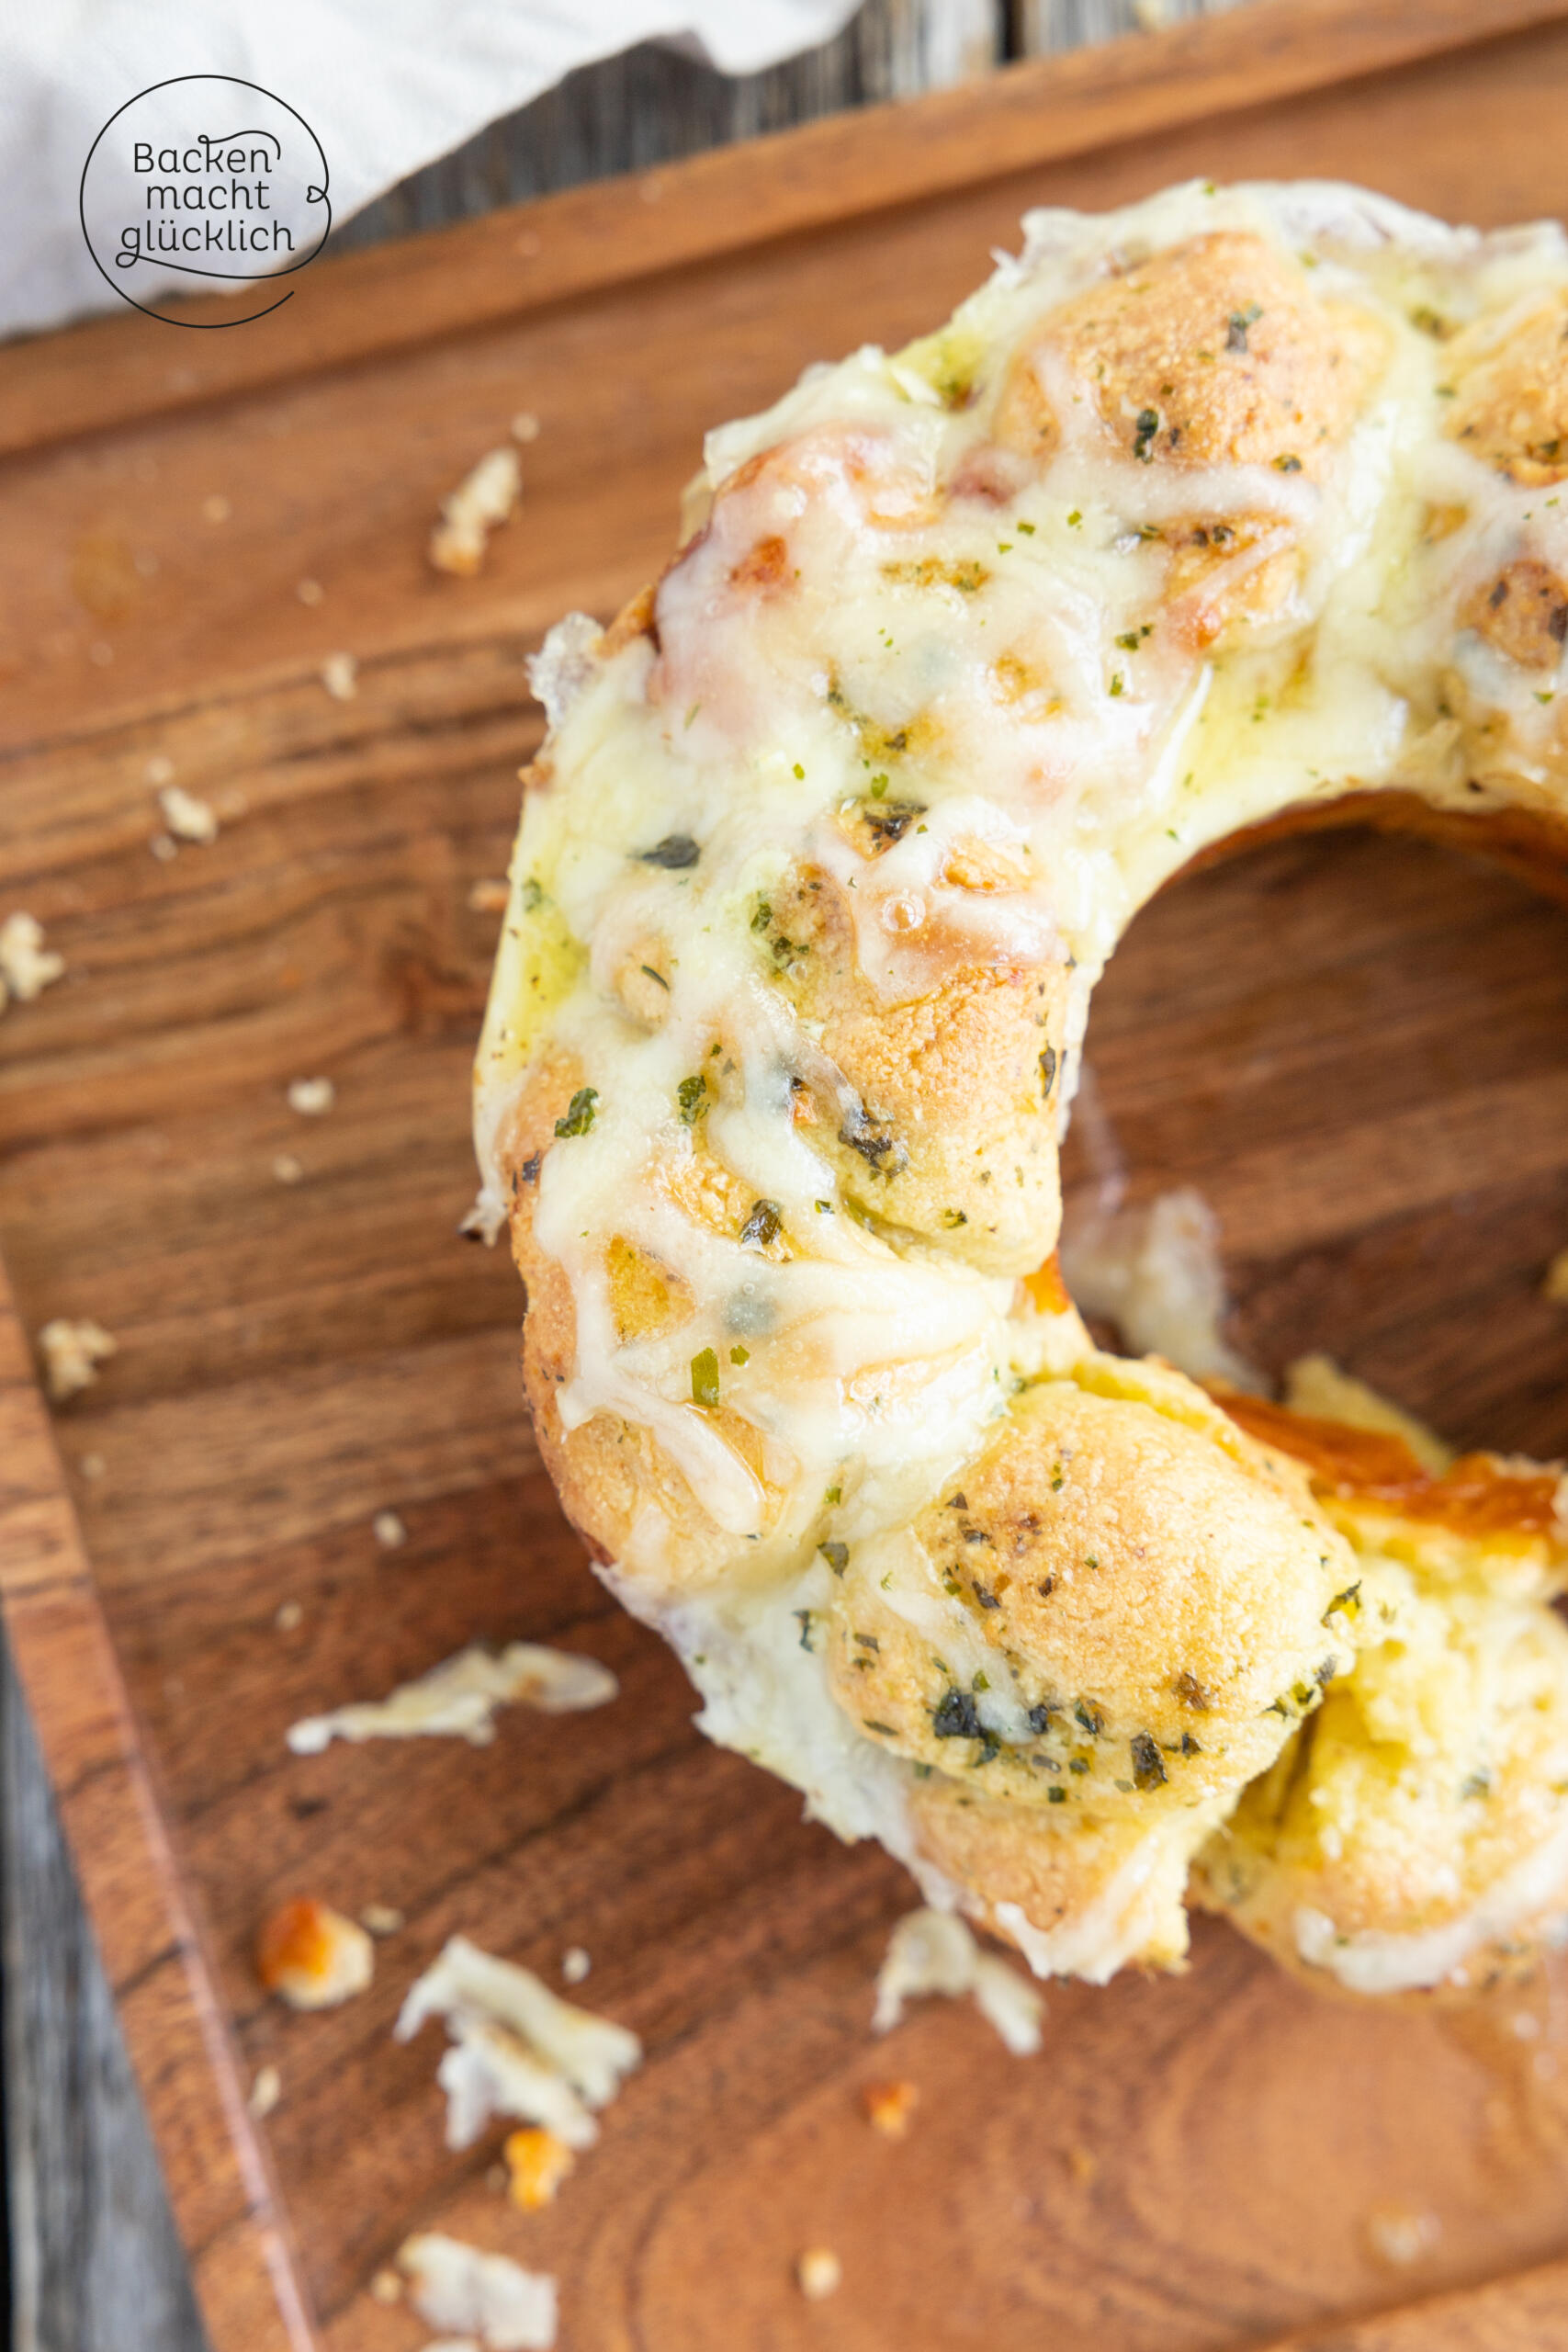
x: 1357, y: 1047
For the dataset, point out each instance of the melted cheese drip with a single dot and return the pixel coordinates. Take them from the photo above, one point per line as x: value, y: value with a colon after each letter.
x: 846, y: 627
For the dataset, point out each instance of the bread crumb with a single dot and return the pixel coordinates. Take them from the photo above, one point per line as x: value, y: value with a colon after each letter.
x: 188, y: 818
x: 1555, y: 1286
x: 290, y: 1614
x: 312, y: 1957
x: 381, y: 1918
x: 288, y: 1169
x: 215, y: 509
x: 489, y: 897
x: 266, y: 2091
x: 536, y: 2163
x: 388, y: 1529
x: 1081, y: 2164
x: 386, y: 2288
x: 163, y: 847
x: 933, y: 1952
x: 71, y: 1354
x: 1402, y: 2235
x: 160, y: 769
x: 460, y: 1697
x: 340, y: 675
x: 454, y: 2285
x: 27, y: 966
x: 574, y: 1965
x: 518, y: 2049
x: 311, y: 1097
x: 482, y: 500
x: 889, y: 2106
x: 310, y: 591
x: 820, y: 2273
x: 524, y: 425
x: 92, y: 1465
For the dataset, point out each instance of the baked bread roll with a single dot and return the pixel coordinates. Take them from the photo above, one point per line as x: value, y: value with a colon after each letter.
x: 1226, y: 505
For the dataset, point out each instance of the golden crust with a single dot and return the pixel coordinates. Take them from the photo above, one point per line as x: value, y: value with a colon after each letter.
x: 1510, y: 404
x: 1154, y: 1598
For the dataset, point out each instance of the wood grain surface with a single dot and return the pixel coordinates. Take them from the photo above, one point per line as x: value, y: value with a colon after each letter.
x: 1357, y: 1047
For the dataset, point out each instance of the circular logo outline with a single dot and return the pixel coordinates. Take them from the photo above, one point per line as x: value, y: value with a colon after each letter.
x: 312, y: 196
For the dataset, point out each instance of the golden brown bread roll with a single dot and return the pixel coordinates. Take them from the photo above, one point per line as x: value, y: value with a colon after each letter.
x: 1229, y: 504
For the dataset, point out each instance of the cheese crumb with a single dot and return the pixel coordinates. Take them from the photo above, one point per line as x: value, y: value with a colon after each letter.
x: 311, y: 1097
x: 1401, y: 2234
x: 266, y: 2091
x: 487, y: 2295
x: 524, y: 425
x: 340, y: 675
x: 381, y: 1918
x: 388, y: 1529
x: 160, y: 769
x: 290, y: 1614
x: 27, y: 966
x: 288, y: 1169
x: 889, y: 2106
x: 460, y: 1697
x: 311, y: 1957
x: 518, y: 2049
x: 188, y: 818
x: 1555, y: 1286
x: 164, y: 848
x: 933, y: 1952
x: 574, y: 1965
x: 820, y: 2273
x: 386, y: 2288
x: 71, y: 1354
x: 536, y: 2163
x: 483, y: 499
x: 489, y: 897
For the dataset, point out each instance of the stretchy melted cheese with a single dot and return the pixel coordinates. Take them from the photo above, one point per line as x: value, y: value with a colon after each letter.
x: 1237, y: 501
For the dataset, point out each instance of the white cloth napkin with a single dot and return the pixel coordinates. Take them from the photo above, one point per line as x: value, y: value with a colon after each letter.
x: 387, y: 85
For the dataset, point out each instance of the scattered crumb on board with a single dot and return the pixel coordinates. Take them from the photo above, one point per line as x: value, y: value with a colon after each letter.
x: 935, y: 1952
x: 889, y: 2106
x: 266, y: 2091
x: 288, y: 1169
x: 311, y: 1957
x: 27, y: 966
x: 340, y: 675
x: 482, y: 500
x: 188, y: 818
x: 290, y: 1614
x: 1402, y: 2235
x: 312, y: 1098
x: 819, y: 2273
x: 458, y: 1697
x: 536, y: 2163
x: 1555, y: 1286
x: 574, y: 1964
x: 517, y: 2049
x: 388, y: 1529
x: 310, y: 591
x: 489, y: 896
x: 381, y: 1918
x: 70, y: 1352
x: 452, y: 2284
x: 524, y: 425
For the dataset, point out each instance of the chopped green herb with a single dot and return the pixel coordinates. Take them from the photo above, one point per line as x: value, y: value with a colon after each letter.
x: 804, y: 1618
x: 1287, y: 465
x: 674, y: 853
x: 837, y: 1556
x: 763, y: 1225
x: 1028, y: 529
x: 1143, y: 440
x: 957, y: 1717
x: 1235, y: 333
x: 705, y: 1379
x: 1349, y: 1602
x: 1149, y: 1765
x: 1090, y: 1717
x: 692, y: 1094
x: 1056, y: 1796
x: 878, y: 787
x: 656, y: 975
x: 531, y: 895
x: 1115, y: 685
x: 761, y: 915
x: 833, y: 1495
x: 953, y: 1218
x: 739, y: 1355
x: 799, y: 773
x: 580, y: 1113
x: 1074, y: 519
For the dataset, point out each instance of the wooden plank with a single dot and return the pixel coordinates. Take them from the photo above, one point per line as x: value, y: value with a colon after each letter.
x: 521, y: 259
x: 1185, y: 2169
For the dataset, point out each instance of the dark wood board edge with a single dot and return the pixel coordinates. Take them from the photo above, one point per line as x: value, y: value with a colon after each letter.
x: 179, y: 2046
x: 525, y: 257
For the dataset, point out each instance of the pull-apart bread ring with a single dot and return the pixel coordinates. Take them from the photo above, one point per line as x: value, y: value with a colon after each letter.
x: 1229, y: 505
